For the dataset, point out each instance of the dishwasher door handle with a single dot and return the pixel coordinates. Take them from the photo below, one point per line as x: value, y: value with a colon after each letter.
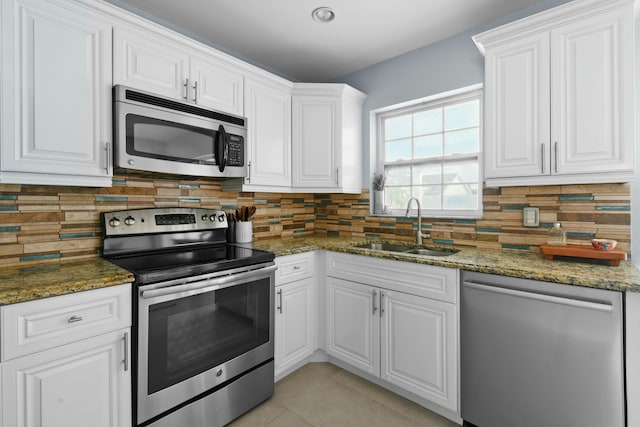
x: 589, y: 305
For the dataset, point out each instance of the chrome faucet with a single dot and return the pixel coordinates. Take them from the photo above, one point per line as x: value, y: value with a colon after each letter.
x: 419, y: 233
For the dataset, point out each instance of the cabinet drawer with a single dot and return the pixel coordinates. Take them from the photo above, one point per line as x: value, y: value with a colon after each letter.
x: 417, y: 279
x: 294, y: 267
x: 38, y: 325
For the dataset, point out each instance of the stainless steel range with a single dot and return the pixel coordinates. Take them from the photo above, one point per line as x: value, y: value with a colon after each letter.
x: 203, y: 337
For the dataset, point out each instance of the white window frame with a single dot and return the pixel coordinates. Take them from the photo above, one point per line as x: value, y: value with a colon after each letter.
x: 439, y: 100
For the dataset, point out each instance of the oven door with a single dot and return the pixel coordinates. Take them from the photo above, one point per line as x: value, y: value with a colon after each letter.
x: 195, y: 336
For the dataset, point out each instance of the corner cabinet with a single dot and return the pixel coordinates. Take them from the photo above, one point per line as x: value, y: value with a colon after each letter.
x: 396, y: 321
x: 559, y: 96
x: 56, y: 94
x: 65, y: 360
x: 327, y: 138
x: 296, y: 323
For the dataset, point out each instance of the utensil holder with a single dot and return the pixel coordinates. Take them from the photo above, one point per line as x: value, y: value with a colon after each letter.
x: 244, y: 231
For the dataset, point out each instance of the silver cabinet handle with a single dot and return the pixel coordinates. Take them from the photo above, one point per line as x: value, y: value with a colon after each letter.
x: 279, y: 308
x: 338, y: 177
x: 195, y: 92
x: 186, y: 90
x: 74, y: 319
x: 296, y: 267
x: 212, y: 284
x: 107, y: 162
x: 125, y: 360
x: 381, y: 303
x: 589, y: 305
x: 543, y: 156
x: 248, y: 172
x: 555, y: 151
x: 375, y: 294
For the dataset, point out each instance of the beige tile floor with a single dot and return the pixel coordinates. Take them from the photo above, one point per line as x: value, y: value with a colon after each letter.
x: 321, y: 394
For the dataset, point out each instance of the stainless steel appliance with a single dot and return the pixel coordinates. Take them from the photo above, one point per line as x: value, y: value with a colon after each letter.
x: 203, y: 337
x: 540, y: 354
x: 158, y: 134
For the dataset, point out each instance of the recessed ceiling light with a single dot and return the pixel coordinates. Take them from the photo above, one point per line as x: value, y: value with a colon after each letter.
x: 323, y: 14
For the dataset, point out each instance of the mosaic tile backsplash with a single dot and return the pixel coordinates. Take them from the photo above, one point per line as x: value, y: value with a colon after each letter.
x: 43, y: 224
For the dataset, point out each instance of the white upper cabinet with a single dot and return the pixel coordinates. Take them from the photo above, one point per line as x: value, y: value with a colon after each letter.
x: 56, y: 94
x: 327, y: 138
x: 149, y: 62
x: 268, y: 112
x: 559, y: 96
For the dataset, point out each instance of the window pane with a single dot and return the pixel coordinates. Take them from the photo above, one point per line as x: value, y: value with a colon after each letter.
x: 463, y: 141
x: 463, y: 196
x: 462, y: 115
x: 429, y: 196
x: 427, y: 146
x: 398, y: 150
x: 429, y: 121
x: 427, y: 174
x: 461, y: 172
x: 397, y: 127
x: 398, y: 175
x: 396, y: 197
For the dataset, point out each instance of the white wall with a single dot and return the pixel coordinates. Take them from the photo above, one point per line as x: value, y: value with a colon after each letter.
x: 446, y: 65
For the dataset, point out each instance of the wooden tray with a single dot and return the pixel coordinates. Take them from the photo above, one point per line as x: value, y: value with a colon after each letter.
x: 614, y: 256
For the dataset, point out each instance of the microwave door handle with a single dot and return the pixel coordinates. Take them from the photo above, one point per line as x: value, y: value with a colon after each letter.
x: 222, y: 149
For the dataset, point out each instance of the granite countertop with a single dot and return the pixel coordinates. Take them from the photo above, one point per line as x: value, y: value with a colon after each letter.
x: 625, y: 277
x: 31, y: 283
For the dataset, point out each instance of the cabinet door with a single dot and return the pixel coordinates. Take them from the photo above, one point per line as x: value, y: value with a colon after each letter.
x: 150, y: 63
x: 268, y: 112
x: 295, y: 323
x: 592, y: 94
x: 216, y: 85
x: 418, y: 346
x: 75, y: 385
x: 56, y: 93
x: 316, y: 141
x: 517, y: 121
x: 353, y: 324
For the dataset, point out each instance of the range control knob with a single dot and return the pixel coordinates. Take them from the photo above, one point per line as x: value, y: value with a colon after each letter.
x: 213, y: 218
x: 205, y: 217
x: 221, y: 218
x: 129, y: 220
x: 114, y: 222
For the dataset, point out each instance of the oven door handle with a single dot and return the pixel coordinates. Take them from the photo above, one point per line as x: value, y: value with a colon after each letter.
x: 207, y: 283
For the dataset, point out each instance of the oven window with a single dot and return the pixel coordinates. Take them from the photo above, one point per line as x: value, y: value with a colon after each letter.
x: 161, y: 139
x: 191, y: 335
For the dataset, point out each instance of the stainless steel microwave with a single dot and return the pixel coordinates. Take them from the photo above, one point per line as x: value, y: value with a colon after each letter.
x: 159, y: 134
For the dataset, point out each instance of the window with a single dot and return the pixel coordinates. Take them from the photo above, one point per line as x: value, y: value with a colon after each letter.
x: 430, y: 150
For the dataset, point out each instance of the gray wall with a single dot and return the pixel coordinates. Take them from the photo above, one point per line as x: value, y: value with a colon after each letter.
x: 446, y: 65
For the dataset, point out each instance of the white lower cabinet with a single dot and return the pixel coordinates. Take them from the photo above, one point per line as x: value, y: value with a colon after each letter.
x: 295, y: 302
x: 50, y: 379
x: 75, y: 385
x: 404, y: 339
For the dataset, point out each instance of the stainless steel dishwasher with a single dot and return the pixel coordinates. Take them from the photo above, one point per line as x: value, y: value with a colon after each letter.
x: 540, y: 354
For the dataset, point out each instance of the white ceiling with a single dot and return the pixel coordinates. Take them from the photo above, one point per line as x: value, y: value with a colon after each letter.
x: 281, y: 35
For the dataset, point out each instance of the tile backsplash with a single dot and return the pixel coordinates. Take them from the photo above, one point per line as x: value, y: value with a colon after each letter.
x: 40, y: 224
x: 585, y: 211
x: 52, y: 223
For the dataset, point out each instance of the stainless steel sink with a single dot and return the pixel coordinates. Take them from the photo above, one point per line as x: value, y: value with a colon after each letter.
x: 391, y: 247
x: 430, y: 252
